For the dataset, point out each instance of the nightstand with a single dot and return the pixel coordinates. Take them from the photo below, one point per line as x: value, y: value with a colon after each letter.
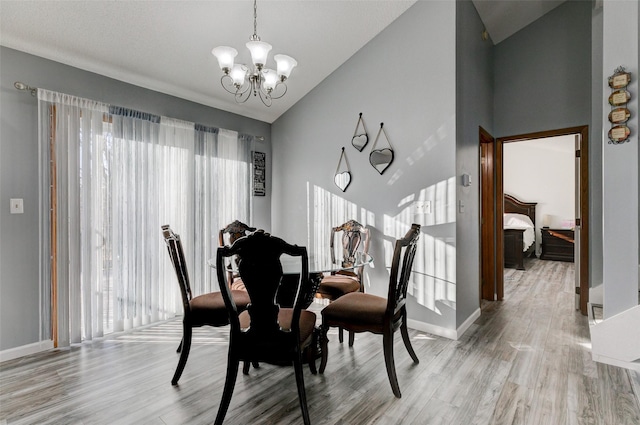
x: 557, y: 244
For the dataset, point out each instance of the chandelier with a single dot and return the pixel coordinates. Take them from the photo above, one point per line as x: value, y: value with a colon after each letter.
x: 241, y: 81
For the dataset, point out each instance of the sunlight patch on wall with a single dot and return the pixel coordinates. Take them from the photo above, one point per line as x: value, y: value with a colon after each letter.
x: 330, y: 210
x: 433, y: 277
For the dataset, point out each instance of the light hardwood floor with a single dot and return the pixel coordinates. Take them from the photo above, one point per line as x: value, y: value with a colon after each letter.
x: 526, y: 360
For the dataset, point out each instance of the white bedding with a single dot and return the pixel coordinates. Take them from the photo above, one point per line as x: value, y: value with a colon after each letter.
x: 521, y: 221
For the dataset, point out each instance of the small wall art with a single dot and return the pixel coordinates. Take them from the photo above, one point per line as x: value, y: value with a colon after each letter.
x: 360, y: 136
x: 381, y: 158
x: 620, y: 114
x: 342, y: 178
x: 259, y: 167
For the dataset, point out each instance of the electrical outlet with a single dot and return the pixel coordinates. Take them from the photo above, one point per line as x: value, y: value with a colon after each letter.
x: 17, y: 206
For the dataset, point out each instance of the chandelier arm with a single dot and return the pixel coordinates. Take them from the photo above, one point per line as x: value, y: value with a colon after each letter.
x: 230, y: 87
x: 264, y: 97
x: 240, y: 96
x: 283, y: 93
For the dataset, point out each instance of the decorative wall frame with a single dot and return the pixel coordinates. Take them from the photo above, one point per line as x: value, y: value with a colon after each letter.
x: 342, y: 178
x: 380, y: 159
x: 361, y: 138
x: 259, y: 167
x: 620, y: 114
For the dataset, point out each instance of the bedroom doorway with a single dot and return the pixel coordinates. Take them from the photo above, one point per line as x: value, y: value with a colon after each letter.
x: 492, y: 211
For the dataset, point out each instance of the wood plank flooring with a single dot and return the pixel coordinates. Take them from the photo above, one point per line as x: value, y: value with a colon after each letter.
x: 526, y: 360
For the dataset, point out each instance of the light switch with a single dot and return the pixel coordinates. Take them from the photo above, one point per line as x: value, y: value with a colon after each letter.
x: 17, y: 206
x: 422, y: 207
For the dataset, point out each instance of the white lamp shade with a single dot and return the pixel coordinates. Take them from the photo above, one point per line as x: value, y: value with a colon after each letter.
x: 238, y: 74
x: 270, y: 79
x: 285, y: 65
x: 225, y: 56
x: 259, y: 52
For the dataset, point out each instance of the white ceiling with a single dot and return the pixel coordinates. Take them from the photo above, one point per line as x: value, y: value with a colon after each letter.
x: 166, y: 45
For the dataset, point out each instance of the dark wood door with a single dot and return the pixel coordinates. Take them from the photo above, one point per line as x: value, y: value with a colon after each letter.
x: 487, y: 217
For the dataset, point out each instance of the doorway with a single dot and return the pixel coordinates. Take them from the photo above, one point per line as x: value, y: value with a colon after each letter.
x: 492, y: 211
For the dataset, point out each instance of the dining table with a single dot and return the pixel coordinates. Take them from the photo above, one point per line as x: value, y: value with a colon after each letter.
x: 319, y: 264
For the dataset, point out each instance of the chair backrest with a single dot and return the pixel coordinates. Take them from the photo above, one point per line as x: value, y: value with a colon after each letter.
x: 233, y: 231
x: 260, y: 269
x: 403, y: 255
x: 176, y: 253
x: 227, y: 236
x: 355, y: 237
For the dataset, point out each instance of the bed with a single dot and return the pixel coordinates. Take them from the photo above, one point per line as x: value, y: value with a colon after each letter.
x: 519, y: 231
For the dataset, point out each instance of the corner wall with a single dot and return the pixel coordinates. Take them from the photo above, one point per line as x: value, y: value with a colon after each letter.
x: 405, y: 77
x: 474, y: 100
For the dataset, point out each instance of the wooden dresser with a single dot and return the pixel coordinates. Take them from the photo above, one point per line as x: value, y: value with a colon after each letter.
x: 557, y: 244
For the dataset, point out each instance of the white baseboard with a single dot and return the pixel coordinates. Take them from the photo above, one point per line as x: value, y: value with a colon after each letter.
x: 615, y: 362
x: 444, y: 332
x: 25, y: 350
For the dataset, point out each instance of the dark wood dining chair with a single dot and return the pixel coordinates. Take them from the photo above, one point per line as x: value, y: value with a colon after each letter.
x: 226, y: 237
x: 206, y: 309
x: 265, y: 332
x: 354, y: 238
x: 360, y: 312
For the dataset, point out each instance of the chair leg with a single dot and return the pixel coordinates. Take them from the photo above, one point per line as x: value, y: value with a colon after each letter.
x: 185, y: 347
x: 302, y: 395
x: 324, y: 343
x: 352, y: 337
x: 387, y: 343
x: 340, y: 337
x: 180, y: 346
x: 405, y: 338
x: 311, y: 353
x: 229, y: 384
x: 245, y: 367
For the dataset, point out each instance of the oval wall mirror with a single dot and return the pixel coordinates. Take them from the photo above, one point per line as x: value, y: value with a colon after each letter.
x: 342, y: 178
x: 381, y: 158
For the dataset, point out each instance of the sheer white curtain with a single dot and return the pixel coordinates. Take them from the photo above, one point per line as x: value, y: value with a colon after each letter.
x: 119, y: 175
x: 69, y: 128
x: 222, y: 192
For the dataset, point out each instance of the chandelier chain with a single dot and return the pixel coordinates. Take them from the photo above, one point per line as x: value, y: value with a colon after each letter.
x: 255, y: 20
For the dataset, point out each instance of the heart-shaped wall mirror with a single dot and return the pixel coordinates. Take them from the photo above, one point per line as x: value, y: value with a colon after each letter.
x: 360, y: 136
x: 383, y: 157
x: 342, y: 178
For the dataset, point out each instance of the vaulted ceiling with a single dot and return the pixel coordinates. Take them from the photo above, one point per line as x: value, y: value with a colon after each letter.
x: 165, y: 45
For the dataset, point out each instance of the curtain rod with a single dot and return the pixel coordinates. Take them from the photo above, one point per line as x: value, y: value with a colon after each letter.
x: 25, y: 87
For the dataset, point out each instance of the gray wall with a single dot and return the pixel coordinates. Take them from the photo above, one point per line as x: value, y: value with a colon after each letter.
x: 405, y: 77
x: 542, y: 74
x: 543, y: 81
x: 474, y: 97
x: 19, y: 243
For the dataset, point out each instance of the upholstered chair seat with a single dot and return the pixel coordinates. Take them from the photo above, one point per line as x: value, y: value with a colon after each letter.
x: 357, y: 311
x: 307, y: 322
x: 209, y: 309
x: 336, y: 285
